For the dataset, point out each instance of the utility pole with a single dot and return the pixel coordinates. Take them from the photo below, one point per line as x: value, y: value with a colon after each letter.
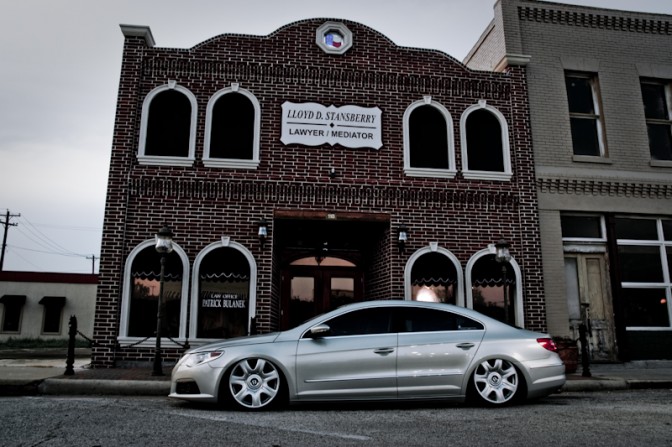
x: 93, y: 263
x: 6, y: 224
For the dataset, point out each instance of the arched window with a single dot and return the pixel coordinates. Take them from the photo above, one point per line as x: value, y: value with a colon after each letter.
x: 168, y: 126
x: 485, y: 143
x: 428, y: 140
x: 141, y: 293
x: 488, y: 285
x: 232, y: 129
x: 434, y: 274
x: 223, y: 291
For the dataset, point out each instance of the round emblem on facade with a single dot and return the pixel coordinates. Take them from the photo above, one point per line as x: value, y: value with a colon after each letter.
x: 334, y: 38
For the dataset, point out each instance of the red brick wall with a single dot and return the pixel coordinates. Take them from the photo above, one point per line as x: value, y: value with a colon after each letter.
x: 202, y: 204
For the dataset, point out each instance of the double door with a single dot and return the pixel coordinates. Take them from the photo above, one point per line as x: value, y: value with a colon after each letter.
x: 310, y: 290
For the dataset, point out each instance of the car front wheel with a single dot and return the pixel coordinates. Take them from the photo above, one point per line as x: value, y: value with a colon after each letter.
x: 254, y: 384
x: 496, y: 382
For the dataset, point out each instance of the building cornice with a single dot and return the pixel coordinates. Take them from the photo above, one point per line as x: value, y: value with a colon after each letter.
x: 139, y: 31
x: 601, y: 19
x: 613, y: 188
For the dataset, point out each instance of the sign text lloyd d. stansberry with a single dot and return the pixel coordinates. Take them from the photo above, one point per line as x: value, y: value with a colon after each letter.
x: 314, y: 124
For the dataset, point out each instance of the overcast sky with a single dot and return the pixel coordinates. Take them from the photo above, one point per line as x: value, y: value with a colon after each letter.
x: 59, y: 72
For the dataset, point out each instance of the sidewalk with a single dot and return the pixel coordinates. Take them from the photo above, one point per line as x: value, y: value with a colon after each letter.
x: 31, y: 373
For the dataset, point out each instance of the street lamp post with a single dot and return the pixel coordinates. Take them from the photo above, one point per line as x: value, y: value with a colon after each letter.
x: 503, y: 256
x: 164, y: 245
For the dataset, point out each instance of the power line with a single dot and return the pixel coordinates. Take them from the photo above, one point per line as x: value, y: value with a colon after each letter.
x: 71, y: 255
x: 45, y: 244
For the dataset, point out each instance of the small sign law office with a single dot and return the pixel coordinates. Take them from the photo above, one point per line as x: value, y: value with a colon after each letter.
x: 341, y: 169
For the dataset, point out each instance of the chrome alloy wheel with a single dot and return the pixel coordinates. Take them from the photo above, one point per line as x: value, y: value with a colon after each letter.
x: 496, y: 381
x: 254, y: 383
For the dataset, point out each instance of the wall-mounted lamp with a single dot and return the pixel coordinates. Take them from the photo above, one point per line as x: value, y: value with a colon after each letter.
x: 402, y: 237
x: 262, y: 232
x: 502, y: 251
x: 164, y: 240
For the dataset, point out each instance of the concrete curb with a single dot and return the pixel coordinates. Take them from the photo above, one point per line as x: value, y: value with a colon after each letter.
x: 75, y: 387
x: 615, y: 384
x: 595, y: 385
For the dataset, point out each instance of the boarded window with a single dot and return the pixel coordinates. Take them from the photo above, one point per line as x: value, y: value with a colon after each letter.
x: 484, y: 142
x: 428, y: 135
x: 232, y: 132
x: 168, y: 125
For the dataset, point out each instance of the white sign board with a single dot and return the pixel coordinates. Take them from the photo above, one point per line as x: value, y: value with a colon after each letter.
x: 313, y: 124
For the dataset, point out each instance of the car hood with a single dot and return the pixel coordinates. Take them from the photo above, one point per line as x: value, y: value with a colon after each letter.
x: 238, y: 341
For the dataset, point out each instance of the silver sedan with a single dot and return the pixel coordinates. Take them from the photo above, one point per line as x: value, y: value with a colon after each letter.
x: 375, y: 350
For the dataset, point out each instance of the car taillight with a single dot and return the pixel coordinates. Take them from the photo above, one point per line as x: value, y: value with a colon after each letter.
x: 548, y: 343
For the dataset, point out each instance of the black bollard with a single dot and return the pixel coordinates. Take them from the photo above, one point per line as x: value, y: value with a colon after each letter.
x: 70, y: 360
x: 585, y: 358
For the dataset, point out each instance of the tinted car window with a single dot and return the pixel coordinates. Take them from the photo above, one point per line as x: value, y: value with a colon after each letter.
x: 361, y: 322
x: 467, y: 324
x: 430, y: 320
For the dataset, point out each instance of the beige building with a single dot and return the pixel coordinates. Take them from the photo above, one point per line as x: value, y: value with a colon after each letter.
x: 39, y: 305
x: 600, y: 91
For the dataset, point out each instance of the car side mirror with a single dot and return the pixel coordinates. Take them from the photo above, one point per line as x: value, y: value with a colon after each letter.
x: 319, y: 330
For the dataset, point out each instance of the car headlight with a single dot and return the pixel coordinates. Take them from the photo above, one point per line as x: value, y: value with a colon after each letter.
x: 198, y: 358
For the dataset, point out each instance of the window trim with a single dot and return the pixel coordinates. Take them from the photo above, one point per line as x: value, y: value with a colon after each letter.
x: 224, y: 242
x: 597, y: 117
x: 252, y: 163
x: 429, y: 172
x: 519, y: 317
x: 434, y: 248
x: 123, y: 338
x: 504, y: 175
x: 168, y: 160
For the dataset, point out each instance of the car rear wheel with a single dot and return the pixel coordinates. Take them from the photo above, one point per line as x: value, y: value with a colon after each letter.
x: 496, y: 382
x: 254, y: 384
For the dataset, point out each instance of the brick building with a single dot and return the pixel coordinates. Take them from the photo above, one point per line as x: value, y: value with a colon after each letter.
x: 316, y: 166
x: 600, y: 85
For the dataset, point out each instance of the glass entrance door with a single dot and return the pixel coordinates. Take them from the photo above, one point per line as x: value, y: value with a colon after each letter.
x: 310, y: 289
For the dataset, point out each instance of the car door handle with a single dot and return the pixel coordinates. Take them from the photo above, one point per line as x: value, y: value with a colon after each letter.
x: 384, y: 351
x: 465, y: 346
